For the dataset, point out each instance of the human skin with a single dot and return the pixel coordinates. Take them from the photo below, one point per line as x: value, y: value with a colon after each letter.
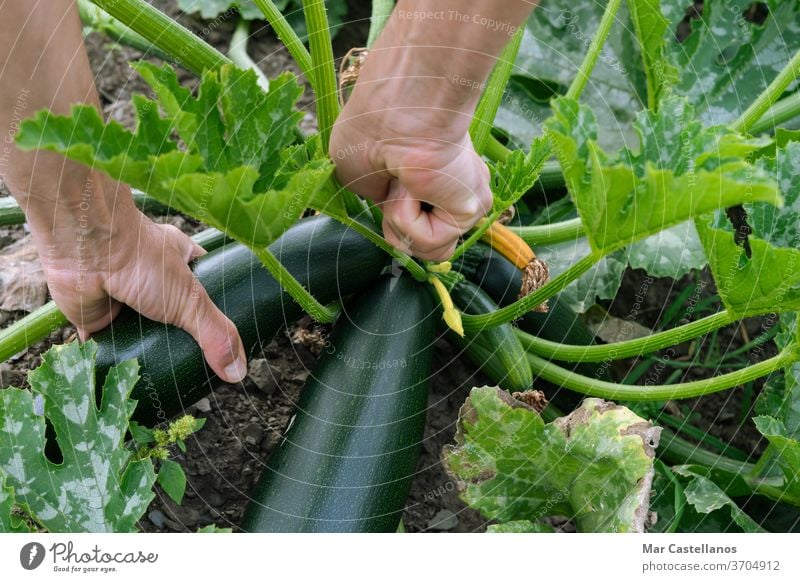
x: 404, y: 132
x: 402, y: 139
x: 98, y: 251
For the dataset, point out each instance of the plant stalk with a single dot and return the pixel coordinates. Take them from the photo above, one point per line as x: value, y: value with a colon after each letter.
x: 324, y: 71
x: 99, y: 20
x: 185, y: 48
x: 770, y: 95
x: 507, y: 314
x: 624, y: 349
x: 286, y: 34
x: 590, y: 60
x: 485, y: 112
x: 547, y: 234
x: 782, y: 111
x: 611, y: 391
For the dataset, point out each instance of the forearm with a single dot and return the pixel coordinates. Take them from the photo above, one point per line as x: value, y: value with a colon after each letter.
x: 435, y: 55
x: 45, y: 66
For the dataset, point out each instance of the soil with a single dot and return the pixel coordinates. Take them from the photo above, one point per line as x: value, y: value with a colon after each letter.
x: 244, y: 422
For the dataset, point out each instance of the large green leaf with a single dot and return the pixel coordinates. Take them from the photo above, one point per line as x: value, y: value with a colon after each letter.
x: 97, y: 487
x: 595, y: 465
x: 768, y: 280
x: 706, y: 497
x: 680, y: 171
x: 231, y: 175
x: 557, y: 37
x: 727, y: 61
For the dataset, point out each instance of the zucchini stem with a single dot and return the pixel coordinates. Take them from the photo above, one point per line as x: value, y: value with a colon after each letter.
x: 324, y: 72
x: 782, y: 111
x: 590, y: 60
x: 286, y: 34
x: 770, y: 95
x: 624, y: 349
x: 101, y: 21
x: 238, y: 52
x: 612, y: 391
x: 522, y: 306
x: 185, y: 48
x: 547, y: 234
x: 294, y: 288
x: 485, y: 112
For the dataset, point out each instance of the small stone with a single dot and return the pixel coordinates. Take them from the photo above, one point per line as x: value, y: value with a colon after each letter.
x: 253, y: 434
x: 157, y: 518
x: 444, y: 520
x: 263, y: 375
x: 203, y: 405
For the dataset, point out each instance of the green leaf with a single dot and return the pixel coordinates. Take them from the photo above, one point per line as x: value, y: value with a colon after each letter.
x: 651, y: 29
x: 706, y: 497
x: 673, y: 252
x: 520, y: 526
x: 682, y: 170
x: 141, y: 435
x: 787, y: 449
x: 558, y: 36
x: 769, y: 280
x: 172, y: 480
x: 517, y: 174
x: 97, y: 487
x: 595, y: 465
x: 9, y: 523
x: 231, y: 175
x: 727, y: 61
x: 213, y: 528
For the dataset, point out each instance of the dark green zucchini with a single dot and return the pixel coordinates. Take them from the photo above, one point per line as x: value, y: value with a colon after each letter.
x: 502, y: 281
x: 496, y: 351
x: 331, y: 260
x: 348, y: 457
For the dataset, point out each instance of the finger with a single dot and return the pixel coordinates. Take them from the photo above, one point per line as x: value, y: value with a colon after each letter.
x: 95, y: 318
x: 196, y: 252
x: 425, y: 233
x: 213, y: 331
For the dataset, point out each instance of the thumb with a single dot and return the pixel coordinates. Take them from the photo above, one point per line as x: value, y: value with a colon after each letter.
x: 213, y: 331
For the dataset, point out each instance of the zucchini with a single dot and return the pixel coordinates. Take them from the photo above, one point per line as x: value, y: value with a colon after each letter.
x: 327, y: 257
x: 502, y: 281
x: 496, y: 351
x: 347, y: 460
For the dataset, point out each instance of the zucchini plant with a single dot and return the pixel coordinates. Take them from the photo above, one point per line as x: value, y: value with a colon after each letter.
x: 231, y: 156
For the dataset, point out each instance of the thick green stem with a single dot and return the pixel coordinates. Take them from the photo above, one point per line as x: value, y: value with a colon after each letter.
x: 185, y: 48
x: 477, y: 233
x: 522, y: 306
x: 679, y: 451
x: 413, y: 267
x: 590, y: 60
x: 381, y: 10
x: 770, y: 95
x: 782, y: 111
x: 101, y: 21
x: 324, y: 71
x: 240, y: 57
x: 31, y: 329
x: 611, y: 391
x: 547, y: 234
x: 286, y: 34
x: 294, y: 288
x: 624, y: 349
x: 482, y: 121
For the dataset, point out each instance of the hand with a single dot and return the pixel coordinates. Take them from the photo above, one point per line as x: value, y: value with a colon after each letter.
x: 128, y: 259
x: 432, y: 189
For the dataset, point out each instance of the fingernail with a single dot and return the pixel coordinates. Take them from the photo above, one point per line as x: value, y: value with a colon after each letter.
x: 236, y: 371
